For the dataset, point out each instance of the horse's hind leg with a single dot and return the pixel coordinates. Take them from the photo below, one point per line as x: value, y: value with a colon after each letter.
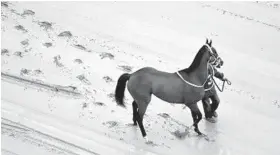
x: 197, y: 116
x: 142, y: 107
x: 135, y: 112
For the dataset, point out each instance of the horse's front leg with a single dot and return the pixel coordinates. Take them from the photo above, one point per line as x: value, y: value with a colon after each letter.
x: 197, y: 116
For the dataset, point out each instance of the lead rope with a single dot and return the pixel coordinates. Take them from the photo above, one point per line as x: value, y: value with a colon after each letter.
x: 194, y: 85
x: 210, y: 75
x: 221, y: 90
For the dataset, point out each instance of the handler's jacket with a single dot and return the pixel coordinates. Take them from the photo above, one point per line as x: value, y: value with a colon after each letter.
x: 210, y: 82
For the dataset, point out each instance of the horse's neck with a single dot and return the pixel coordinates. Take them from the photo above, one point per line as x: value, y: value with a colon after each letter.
x: 200, y: 73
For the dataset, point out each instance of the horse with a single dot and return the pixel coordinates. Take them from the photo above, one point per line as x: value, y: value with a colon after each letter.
x: 185, y: 86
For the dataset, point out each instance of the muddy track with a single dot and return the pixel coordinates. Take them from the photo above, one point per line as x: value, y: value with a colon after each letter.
x: 226, y: 12
x: 35, y: 137
x: 67, y: 90
x: 7, y: 152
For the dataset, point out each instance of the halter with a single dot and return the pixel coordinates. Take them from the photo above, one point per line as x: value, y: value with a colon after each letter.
x: 214, y: 63
x: 210, y: 49
x: 215, y: 59
x: 208, y: 76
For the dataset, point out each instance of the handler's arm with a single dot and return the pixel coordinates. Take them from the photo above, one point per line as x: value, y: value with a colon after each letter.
x: 219, y: 75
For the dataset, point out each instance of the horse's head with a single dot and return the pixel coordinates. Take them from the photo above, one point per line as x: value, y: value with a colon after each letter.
x: 212, y: 57
x: 206, y: 55
x: 219, y: 62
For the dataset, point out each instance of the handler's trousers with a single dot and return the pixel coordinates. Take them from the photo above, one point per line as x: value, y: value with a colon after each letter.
x: 210, y: 108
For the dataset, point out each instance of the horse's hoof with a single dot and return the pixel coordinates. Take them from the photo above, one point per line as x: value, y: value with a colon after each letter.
x: 200, y: 134
x: 147, y: 141
x: 197, y: 131
x: 134, y: 124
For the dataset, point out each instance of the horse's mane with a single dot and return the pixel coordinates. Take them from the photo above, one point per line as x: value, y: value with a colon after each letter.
x: 196, y: 61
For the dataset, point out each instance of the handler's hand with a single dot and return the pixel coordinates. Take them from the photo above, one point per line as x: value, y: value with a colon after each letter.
x: 228, y: 82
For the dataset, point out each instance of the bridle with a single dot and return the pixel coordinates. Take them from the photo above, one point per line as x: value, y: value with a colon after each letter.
x: 212, y: 56
x: 208, y: 76
x: 218, y: 62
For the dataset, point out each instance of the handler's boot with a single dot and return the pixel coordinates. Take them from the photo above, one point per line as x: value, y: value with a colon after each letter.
x: 211, y: 117
x: 215, y: 114
x: 211, y: 120
x: 208, y: 115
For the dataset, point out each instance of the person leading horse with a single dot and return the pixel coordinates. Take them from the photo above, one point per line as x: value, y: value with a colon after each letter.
x: 211, y: 93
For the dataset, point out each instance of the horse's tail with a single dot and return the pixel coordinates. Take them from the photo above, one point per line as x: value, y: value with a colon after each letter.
x: 120, y: 88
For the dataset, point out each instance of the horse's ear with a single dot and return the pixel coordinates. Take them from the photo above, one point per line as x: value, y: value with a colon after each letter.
x: 207, y: 41
x: 210, y: 43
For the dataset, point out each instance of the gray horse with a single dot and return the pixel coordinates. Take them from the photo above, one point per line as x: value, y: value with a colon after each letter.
x: 183, y: 87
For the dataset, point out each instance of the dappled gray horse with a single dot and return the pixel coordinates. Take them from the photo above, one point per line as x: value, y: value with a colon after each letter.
x: 183, y: 87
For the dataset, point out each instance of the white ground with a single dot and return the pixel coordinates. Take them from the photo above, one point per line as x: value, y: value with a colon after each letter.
x: 42, y: 114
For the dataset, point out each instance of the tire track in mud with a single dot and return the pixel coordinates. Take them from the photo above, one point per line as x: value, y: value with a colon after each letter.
x: 35, y: 137
x: 68, y: 90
